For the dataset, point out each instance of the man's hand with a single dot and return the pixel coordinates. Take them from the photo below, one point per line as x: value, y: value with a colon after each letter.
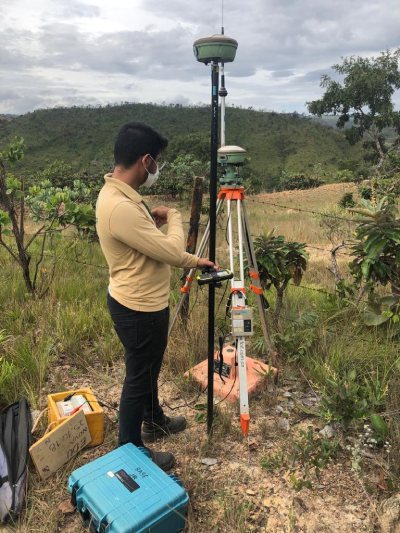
x: 160, y: 215
x: 203, y: 263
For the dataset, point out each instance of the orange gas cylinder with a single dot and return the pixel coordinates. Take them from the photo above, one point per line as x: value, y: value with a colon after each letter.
x: 227, y: 385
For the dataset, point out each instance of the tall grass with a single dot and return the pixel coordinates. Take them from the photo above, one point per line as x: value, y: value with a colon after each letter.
x: 71, y: 321
x: 318, y: 336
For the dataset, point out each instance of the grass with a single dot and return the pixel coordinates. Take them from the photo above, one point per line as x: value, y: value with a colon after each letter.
x: 67, y: 337
x: 71, y: 322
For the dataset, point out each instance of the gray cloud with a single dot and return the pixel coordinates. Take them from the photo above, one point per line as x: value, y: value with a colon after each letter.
x: 139, y: 53
x: 282, y: 73
x: 284, y: 47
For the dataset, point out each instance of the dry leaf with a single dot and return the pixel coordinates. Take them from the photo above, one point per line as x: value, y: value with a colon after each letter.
x: 66, y: 507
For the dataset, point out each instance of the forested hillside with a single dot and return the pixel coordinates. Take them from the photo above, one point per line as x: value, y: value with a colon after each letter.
x: 83, y: 137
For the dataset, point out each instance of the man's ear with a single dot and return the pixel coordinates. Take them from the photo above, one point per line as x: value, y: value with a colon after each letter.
x: 146, y: 160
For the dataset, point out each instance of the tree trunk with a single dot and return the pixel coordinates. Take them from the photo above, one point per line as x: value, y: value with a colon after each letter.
x: 335, y: 267
x: 197, y: 198
x: 395, y: 289
x: 23, y: 257
x: 382, y: 155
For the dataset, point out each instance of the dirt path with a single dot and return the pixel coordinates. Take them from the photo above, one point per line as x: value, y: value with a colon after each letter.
x: 237, y: 493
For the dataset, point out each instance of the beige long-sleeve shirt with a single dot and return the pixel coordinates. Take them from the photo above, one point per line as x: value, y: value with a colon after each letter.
x: 138, y: 254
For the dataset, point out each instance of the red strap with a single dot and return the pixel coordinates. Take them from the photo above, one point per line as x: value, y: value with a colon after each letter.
x: 256, y: 290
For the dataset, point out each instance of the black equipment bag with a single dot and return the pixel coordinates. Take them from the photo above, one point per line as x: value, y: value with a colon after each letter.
x: 15, y: 440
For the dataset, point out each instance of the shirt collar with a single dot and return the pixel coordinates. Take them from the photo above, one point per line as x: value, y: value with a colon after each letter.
x: 124, y: 188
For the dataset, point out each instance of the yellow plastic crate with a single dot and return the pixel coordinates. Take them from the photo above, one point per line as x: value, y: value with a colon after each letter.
x: 94, y: 419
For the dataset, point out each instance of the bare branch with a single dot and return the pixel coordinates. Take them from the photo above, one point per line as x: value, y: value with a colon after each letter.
x: 9, y: 250
x: 34, y: 236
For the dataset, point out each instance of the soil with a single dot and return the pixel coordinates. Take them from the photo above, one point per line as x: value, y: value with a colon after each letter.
x: 235, y: 493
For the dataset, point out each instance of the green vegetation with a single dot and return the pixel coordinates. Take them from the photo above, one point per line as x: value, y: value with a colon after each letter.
x: 82, y: 138
x: 53, y: 208
x: 377, y: 250
x: 307, y: 455
x: 292, y: 181
x: 279, y: 261
x: 364, y: 101
x: 66, y: 337
x: 347, y: 201
x: 334, y: 309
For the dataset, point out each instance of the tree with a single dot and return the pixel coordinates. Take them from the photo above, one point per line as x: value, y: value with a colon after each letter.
x: 177, y: 177
x: 60, y: 174
x: 197, y: 144
x: 52, y: 208
x: 364, y: 100
x: 278, y: 262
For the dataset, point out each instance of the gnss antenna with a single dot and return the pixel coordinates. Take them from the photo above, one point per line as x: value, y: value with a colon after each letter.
x: 215, y: 50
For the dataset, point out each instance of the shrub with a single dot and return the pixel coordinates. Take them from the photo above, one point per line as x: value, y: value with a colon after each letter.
x: 278, y: 262
x: 299, y: 181
x: 377, y: 250
x: 365, y: 192
x: 347, y: 200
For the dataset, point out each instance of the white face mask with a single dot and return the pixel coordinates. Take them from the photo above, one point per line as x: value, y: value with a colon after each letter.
x: 152, y: 178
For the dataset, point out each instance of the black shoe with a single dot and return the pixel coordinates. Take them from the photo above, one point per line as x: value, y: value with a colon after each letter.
x: 164, y: 460
x: 152, y: 431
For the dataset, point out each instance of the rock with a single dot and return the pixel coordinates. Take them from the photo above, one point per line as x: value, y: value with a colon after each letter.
x: 307, y: 401
x: 287, y: 394
x: 253, y: 445
x: 390, y: 515
x: 328, y: 432
x: 250, y: 492
x: 279, y: 409
x: 283, y: 423
x: 369, y: 455
x: 209, y: 461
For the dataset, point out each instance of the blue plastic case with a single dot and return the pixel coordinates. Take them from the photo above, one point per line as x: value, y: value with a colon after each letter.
x: 125, y: 492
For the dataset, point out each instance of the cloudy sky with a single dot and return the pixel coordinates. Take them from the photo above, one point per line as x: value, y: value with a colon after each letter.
x: 81, y: 52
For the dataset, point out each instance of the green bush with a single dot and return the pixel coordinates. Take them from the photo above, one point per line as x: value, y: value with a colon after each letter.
x: 365, y: 192
x: 298, y: 181
x: 377, y: 247
x: 347, y: 200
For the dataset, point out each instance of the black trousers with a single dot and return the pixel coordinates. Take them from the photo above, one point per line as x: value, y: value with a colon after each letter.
x: 144, y: 336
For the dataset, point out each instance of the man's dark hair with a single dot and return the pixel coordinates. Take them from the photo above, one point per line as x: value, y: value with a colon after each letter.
x: 136, y: 139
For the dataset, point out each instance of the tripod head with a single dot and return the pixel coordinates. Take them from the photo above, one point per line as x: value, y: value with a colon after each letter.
x: 231, y: 158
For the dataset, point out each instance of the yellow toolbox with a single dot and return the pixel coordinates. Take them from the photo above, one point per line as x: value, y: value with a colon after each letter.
x: 94, y: 419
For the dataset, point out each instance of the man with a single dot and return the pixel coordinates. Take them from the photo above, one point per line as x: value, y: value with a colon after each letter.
x: 139, y: 257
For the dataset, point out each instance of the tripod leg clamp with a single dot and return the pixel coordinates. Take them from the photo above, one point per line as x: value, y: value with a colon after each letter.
x: 186, y: 288
x: 256, y: 290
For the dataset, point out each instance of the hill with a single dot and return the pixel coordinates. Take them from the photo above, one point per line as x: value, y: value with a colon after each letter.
x: 84, y: 137
x: 390, y: 134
